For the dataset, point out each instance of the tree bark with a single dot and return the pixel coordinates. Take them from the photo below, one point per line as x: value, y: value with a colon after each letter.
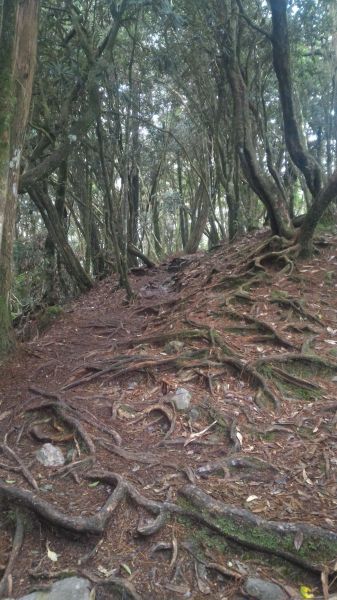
x: 293, y: 136
x: 263, y: 186
x: 198, y: 227
x: 57, y: 233
x: 18, y: 45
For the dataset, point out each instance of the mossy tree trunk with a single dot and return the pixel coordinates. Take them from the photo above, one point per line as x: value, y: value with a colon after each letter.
x: 18, y: 44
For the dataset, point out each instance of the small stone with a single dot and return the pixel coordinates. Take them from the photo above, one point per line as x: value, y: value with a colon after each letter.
x: 334, y: 379
x: 132, y: 385
x: 71, y: 588
x: 261, y: 589
x: 181, y: 398
x: 194, y: 414
x: 50, y: 456
x: 174, y: 346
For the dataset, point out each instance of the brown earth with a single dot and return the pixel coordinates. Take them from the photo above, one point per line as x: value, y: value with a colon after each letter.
x: 260, y: 433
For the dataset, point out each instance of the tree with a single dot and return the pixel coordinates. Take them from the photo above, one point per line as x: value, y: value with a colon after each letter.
x: 18, y: 43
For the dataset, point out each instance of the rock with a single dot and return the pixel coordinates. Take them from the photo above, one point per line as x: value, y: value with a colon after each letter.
x: 264, y: 590
x: 194, y: 414
x: 181, y: 398
x: 71, y: 588
x: 174, y: 346
x: 50, y: 456
x: 132, y: 385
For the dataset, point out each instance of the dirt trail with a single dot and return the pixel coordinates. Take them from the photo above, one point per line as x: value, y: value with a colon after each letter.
x: 254, y: 342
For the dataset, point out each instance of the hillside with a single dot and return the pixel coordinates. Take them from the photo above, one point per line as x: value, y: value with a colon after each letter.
x: 169, y: 503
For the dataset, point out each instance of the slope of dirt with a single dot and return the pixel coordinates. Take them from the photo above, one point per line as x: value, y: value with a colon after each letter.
x: 253, y: 338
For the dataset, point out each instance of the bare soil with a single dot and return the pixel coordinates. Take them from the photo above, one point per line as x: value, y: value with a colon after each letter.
x: 259, y: 358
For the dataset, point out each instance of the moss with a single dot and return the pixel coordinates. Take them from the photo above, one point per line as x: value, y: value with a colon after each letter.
x: 297, y: 392
x: 329, y: 277
x: 279, y: 295
x: 314, y: 550
x: 210, y: 540
x: 54, y: 311
x: 48, y: 315
x: 6, y: 334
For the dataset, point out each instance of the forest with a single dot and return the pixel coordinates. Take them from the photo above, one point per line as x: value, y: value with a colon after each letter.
x: 151, y: 128
x: 168, y: 275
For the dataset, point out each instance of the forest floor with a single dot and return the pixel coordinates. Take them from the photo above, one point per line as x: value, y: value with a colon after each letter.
x: 146, y: 504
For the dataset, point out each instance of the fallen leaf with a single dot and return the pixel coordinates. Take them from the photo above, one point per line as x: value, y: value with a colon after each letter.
x: 306, y: 592
x: 5, y: 414
x: 298, y: 541
x: 251, y: 498
x: 51, y: 555
x: 126, y: 568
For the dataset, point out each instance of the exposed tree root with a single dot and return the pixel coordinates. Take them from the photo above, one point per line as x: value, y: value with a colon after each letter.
x: 62, y: 410
x: 89, y: 418
x: 140, y: 363
x: 281, y: 255
x: 169, y: 414
x: 312, y: 359
x: 318, y: 547
x: 161, y: 338
x: 24, y: 470
x: 309, y: 546
x: 94, y: 525
x: 197, y: 555
x: 296, y: 381
x: 85, y: 415
x: 118, y: 583
x: 297, y: 307
x: 66, y: 469
x: 6, y: 581
x: 242, y: 466
x: 262, y: 325
x: 41, y: 436
x: 147, y: 459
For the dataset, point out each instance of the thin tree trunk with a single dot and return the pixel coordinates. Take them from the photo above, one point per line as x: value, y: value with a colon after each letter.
x: 58, y: 235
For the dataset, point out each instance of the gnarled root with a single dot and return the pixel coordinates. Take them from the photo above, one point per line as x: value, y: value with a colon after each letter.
x: 317, y: 547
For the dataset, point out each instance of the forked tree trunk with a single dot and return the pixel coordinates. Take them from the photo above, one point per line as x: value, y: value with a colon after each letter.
x: 263, y: 185
x: 322, y: 195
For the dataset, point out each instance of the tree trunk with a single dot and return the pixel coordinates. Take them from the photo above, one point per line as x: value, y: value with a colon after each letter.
x: 322, y: 195
x: 292, y: 132
x: 58, y: 235
x: 199, y: 225
x: 18, y: 44
x: 263, y: 186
